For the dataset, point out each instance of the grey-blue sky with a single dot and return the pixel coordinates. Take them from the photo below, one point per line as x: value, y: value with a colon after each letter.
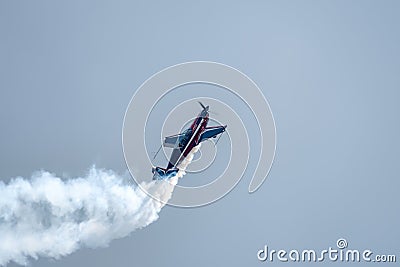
x: 329, y: 70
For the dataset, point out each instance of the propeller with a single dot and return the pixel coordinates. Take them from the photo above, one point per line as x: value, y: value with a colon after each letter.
x: 204, y: 107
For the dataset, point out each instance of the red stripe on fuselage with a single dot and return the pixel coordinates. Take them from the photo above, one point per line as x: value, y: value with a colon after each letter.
x: 195, y: 140
x: 198, y: 127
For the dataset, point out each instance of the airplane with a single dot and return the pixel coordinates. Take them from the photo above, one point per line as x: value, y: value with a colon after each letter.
x: 184, y: 142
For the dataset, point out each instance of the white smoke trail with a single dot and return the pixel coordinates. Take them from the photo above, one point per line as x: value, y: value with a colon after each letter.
x: 50, y: 217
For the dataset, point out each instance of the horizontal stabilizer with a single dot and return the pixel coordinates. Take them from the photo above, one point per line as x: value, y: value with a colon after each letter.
x: 163, y: 174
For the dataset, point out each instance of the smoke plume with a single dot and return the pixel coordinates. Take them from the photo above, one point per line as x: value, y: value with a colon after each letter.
x: 47, y: 216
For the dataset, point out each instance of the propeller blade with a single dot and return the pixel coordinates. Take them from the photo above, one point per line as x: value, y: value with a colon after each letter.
x: 201, y: 104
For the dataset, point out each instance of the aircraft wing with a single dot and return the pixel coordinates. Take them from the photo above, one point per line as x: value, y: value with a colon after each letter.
x: 210, y: 132
x: 172, y: 141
